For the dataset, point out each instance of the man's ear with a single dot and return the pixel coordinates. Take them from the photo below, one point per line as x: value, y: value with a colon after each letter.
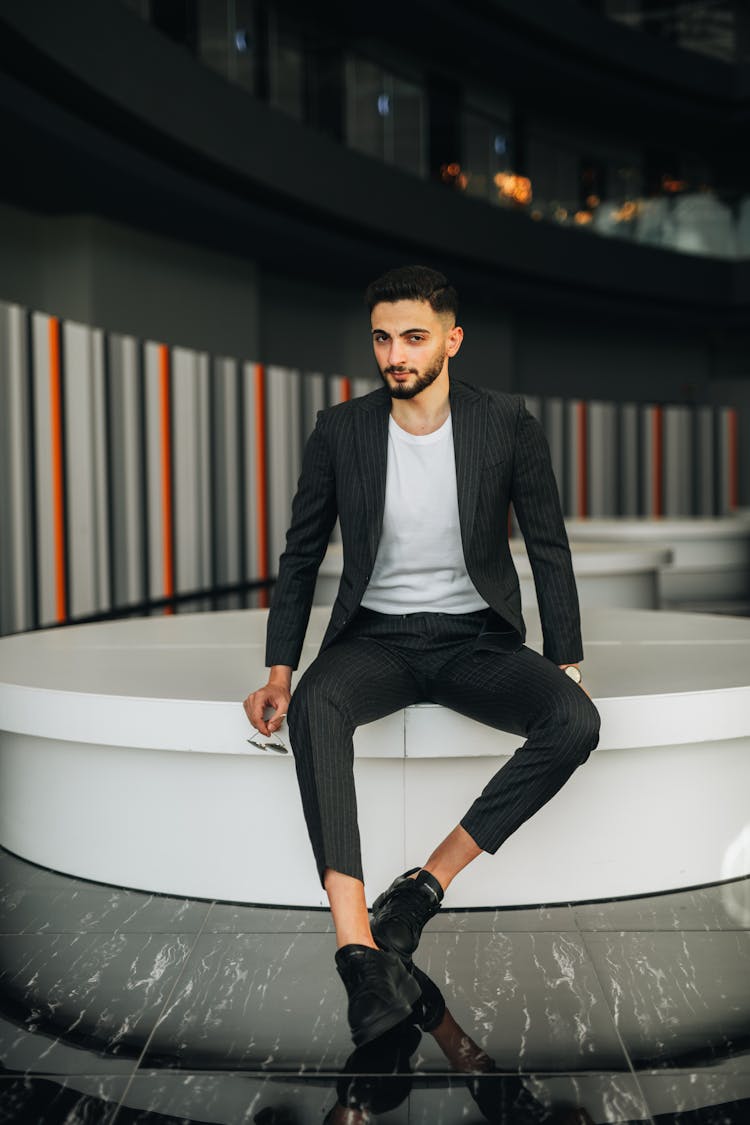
x: 455, y: 339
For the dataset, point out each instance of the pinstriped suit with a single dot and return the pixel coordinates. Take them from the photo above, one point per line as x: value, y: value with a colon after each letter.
x: 475, y: 663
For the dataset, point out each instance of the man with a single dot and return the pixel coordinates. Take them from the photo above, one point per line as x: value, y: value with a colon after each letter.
x: 420, y: 474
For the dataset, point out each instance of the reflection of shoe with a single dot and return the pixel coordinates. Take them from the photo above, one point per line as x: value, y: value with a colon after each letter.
x: 504, y: 1097
x: 429, y: 1009
x: 401, y: 912
x: 381, y: 992
x: 377, y: 1076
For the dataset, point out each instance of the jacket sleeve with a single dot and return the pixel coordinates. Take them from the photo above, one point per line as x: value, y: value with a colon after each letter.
x: 537, y: 506
x: 314, y: 512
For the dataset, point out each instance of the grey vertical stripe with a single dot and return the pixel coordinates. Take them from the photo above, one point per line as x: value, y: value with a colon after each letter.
x: 85, y: 470
x: 227, y: 475
x: 704, y: 461
x: 572, y: 475
x: 678, y: 460
x: 283, y: 388
x: 647, y: 460
x: 603, y: 458
x: 154, y: 521
x: 724, y: 466
x: 191, y: 498
x: 628, y: 462
x: 250, y: 476
x: 128, y: 470
x: 16, y: 594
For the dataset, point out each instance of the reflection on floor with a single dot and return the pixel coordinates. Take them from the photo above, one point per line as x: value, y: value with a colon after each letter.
x: 117, y: 1006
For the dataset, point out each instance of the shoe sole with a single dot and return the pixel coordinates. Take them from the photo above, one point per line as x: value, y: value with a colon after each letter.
x: 366, y: 1033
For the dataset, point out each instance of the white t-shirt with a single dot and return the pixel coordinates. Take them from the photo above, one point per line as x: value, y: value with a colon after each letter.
x: 420, y: 566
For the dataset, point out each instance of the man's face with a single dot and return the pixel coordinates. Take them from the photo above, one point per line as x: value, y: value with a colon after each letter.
x: 412, y: 344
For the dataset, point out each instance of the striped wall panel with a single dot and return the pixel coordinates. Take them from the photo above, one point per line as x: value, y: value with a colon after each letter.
x: 159, y: 470
x: 603, y: 458
x: 18, y: 579
x: 127, y: 470
x: 254, y: 499
x: 678, y: 461
x: 727, y: 470
x: 284, y: 455
x: 50, y: 524
x: 629, y: 460
x: 226, y: 491
x: 130, y: 471
x: 652, y: 461
x: 705, y: 455
x: 85, y: 470
x: 553, y: 421
x: 576, y: 477
x: 191, y: 441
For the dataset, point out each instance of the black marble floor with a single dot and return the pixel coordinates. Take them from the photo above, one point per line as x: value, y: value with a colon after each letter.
x: 117, y: 1006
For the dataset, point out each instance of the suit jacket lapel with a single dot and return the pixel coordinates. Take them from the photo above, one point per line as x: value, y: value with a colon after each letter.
x: 469, y: 418
x: 371, y: 440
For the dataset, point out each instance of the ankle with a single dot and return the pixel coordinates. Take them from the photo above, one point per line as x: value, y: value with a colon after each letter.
x: 437, y: 882
x: 362, y: 939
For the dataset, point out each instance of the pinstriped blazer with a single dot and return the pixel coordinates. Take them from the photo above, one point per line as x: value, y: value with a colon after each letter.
x: 502, y: 457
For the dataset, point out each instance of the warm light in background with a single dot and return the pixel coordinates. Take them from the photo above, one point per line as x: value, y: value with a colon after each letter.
x: 517, y: 188
x: 452, y: 174
x: 626, y: 213
x: 668, y: 183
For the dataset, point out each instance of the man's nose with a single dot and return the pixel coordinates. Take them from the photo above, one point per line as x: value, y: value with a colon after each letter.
x: 397, y: 354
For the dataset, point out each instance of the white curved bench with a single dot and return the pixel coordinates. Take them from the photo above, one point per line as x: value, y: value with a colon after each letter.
x: 123, y: 759
x: 710, y: 556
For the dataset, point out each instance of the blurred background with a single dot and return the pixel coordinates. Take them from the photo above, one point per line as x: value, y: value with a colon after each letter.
x: 194, y: 194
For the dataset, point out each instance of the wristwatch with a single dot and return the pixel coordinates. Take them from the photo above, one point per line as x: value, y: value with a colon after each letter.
x: 574, y: 673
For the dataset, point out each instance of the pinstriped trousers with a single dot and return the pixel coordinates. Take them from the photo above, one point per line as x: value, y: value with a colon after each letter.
x: 385, y: 662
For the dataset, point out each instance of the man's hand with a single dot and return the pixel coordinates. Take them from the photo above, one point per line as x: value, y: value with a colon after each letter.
x: 276, y: 694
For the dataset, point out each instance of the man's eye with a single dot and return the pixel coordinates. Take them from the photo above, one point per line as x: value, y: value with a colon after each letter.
x: 417, y: 339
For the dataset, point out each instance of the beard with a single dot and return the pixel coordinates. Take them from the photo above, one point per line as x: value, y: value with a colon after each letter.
x: 420, y: 381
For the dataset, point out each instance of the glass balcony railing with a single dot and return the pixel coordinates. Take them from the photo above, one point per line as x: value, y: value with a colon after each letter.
x: 585, y: 182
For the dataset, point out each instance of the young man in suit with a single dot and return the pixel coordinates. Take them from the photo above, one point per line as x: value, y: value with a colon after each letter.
x: 421, y: 474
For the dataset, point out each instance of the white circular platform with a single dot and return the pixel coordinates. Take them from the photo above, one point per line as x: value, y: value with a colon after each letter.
x: 124, y: 759
x: 710, y: 556
x: 621, y: 575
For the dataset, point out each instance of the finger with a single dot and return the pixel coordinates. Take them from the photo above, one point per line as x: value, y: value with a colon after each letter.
x: 276, y: 720
x: 256, y: 713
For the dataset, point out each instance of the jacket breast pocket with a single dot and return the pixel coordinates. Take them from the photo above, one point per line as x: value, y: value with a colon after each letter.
x: 493, y: 468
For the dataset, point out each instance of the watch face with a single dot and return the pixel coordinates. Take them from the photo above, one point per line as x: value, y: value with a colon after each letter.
x: 574, y: 673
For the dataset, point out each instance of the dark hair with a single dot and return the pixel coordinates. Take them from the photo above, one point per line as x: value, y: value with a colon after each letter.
x: 413, y: 283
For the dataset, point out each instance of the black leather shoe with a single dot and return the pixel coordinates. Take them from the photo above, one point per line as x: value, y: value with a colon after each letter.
x: 401, y: 913
x: 381, y: 992
x: 377, y: 1077
x: 429, y: 1009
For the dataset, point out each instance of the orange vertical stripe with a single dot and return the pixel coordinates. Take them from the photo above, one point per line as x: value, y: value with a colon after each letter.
x: 166, y: 473
x: 260, y: 478
x: 658, y: 462
x: 583, y: 484
x: 734, y: 466
x: 58, y: 469
x: 346, y: 389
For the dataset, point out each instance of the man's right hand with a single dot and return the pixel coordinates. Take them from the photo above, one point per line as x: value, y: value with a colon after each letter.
x: 275, y: 695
